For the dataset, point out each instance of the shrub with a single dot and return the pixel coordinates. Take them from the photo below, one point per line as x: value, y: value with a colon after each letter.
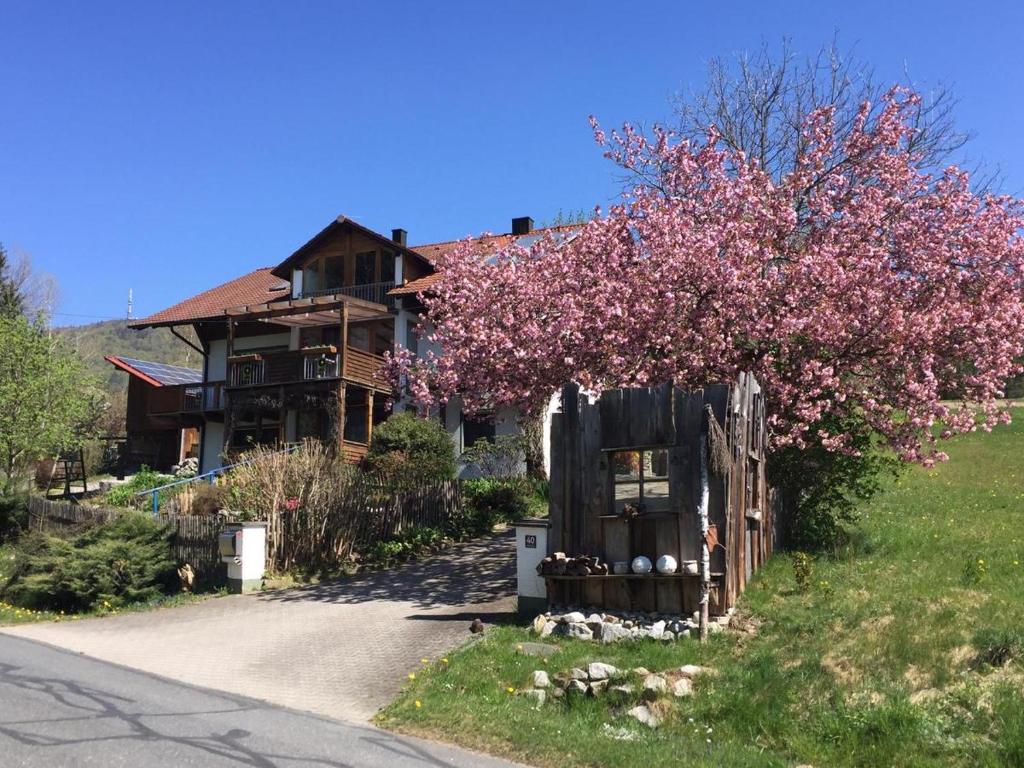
x: 975, y: 571
x: 487, y: 501
x: 13, y: 515
x: 209, y: 499
x: 997, y: 647
x: 504, y: 457
x: 820, y: 490
x: 126, y: 494
x: 128, y: 560
x: 407, y: 449
x: 406, y: 545
x: 803, y: 570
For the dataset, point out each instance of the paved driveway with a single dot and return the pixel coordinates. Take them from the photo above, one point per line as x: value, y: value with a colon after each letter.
x: 341, y: 649
x: 62, y: 709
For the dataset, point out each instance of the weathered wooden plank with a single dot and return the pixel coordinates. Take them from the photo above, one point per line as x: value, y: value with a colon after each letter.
x: 556, y: 479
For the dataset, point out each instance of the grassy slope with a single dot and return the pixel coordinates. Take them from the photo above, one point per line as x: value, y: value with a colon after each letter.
x: 873, y: 666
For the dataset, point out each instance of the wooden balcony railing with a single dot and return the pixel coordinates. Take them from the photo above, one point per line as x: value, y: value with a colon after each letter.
x: 375, y: 292
x: 311, y: 364
x: 187, y: 398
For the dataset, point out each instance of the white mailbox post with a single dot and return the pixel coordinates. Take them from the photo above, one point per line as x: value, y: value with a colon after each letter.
x: 243, y: 546
x: 531, y: 548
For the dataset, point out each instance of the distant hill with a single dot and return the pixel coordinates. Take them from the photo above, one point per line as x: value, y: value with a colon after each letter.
x: 113, y: 337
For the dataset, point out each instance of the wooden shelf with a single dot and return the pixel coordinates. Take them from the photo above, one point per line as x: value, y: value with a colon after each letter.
x: 645, y: 516
x: 651, y: 576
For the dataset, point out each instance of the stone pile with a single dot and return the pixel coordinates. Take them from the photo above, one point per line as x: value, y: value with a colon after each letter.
x: 643, y: 691
x: 558, y: 564
x: 612, y: 627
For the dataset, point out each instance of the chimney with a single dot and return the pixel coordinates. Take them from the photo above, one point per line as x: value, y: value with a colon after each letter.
x: 522, y: 226
x: 399, y: 236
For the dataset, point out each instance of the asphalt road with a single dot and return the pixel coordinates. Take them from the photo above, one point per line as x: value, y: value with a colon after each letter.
x: 61, y: 709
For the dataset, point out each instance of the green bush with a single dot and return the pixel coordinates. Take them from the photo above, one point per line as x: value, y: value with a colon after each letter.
x: 126, y: 494
x: 13, y: 515
x: 501, y: 457
x: 408, y: 450
x: 111, y: 565
x: 487, y: 501
x: 997, y: 647
x: 406, y: 545
x: 803, y: 570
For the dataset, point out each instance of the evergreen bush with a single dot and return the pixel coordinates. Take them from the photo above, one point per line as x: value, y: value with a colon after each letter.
x: 113, y: 565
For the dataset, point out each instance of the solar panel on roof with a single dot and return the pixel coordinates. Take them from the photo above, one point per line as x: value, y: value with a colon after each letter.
x: 164, y: 373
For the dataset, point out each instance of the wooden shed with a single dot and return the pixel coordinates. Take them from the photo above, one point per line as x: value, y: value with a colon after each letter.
x: 626, y: 480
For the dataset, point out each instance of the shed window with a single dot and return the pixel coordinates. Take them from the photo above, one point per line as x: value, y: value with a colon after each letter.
x: 640, y: 479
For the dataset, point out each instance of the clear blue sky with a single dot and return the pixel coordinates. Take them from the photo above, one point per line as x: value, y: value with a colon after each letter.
x: 166, y: 147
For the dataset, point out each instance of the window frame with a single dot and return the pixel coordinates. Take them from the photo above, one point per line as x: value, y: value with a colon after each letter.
x: 642, y: 479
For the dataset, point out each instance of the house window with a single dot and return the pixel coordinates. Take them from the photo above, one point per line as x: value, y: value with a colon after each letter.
x: 356, y: 412
x: 477, y: 429
x: 311, y: 278
x: 640, y: 480
x: 334, y: 272
x: 366, y: 268
x: 387, y: 267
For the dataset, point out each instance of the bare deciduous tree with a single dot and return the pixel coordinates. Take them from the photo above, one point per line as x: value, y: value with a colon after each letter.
x: 759, y: 104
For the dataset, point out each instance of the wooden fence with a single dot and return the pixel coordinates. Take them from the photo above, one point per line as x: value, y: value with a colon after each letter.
x: 364, y: 513
x: 63, y: 516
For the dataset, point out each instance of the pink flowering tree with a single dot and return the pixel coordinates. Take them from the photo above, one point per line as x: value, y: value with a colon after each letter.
x: 863, y: 291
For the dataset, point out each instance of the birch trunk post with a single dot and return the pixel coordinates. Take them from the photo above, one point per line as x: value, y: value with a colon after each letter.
x: 705, y: 559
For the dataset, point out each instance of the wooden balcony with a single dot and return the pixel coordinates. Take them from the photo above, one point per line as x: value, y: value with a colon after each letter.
x: 372, y: 292
x: 310, y: 364
x: 187, y: 399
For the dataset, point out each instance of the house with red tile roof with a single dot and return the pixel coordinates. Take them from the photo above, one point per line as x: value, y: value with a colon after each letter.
x: 294, y: 351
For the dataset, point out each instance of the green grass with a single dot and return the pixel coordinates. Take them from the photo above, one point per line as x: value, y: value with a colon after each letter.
x: 881, y: 662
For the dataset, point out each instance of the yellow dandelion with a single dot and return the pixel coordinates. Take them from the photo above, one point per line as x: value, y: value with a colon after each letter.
x: 412, y: 675
x: 510, y: 689
x: 444, y: 661
x: 418, y: 703
x: 424, y: 661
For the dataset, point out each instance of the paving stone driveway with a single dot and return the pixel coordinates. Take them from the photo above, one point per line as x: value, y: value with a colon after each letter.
x: 341, y: 649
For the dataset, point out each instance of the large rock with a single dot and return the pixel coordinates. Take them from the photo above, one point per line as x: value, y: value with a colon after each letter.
x: 597, y: 687
x: 620, y: 694
x: 612, y: 633
x: 694, y: 670
x: 645, y: 715
x: 548, y: 629
x: 541, y: 679
x: 600, y: 671
x: 654, y: 686
x: 682, y: 687
x: 656, y: 630
x: 578, y: 674
x: 539, y: 623
x: 576, y: 688
x: 573, y: 618
x: 578, y: 631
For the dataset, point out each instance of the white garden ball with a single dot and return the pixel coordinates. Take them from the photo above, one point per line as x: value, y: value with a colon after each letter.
x: 667, y: 564
x: 641, y: 564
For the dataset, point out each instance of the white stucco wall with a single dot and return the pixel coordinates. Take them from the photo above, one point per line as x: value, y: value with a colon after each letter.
x: 213, y: 444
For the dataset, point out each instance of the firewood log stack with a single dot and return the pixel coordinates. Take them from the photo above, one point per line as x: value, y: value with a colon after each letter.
x: 558, y: 564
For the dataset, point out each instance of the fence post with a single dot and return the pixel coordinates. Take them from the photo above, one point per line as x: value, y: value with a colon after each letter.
x: 156, y: 503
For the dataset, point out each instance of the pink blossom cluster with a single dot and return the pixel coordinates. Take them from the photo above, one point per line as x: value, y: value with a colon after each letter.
x: 858, y: 285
